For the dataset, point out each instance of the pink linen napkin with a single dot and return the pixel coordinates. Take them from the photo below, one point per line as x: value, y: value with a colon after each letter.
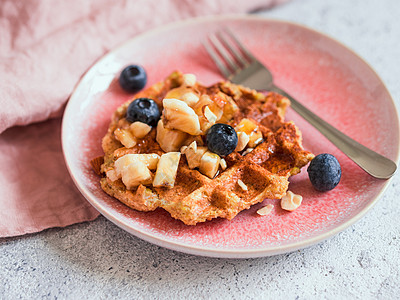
x: 45, y: 47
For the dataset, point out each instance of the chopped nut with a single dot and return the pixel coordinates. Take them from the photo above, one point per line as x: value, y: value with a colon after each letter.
x: 209, y: 115
x: 209, y: 164
x: 243, y: 139
x: 223, y: 164
x: 291, y: 201
x: 193, y: 146
x: 247, y: 151
x: 255, y: 138
x: 189, y: 79
x: 265, y: 210
x: 183, y: 149
x: 242, y: 185
x: 166, y: 170
x: 139, y: 129
x: 178, y: 115
x: 252, y: 130
x: 125, y: 137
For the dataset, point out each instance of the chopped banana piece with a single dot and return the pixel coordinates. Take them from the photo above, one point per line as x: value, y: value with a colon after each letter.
x: 203, y: 101
x: 166, y: 170
x: 209, y: 164
x: 125, y: 137
x: 189, y: 79
x: 149, y: 159
x: 139, y: 129
x: 291, y: 201
x: 112, y: 175
x: 132, y: 171
x: 194, y: 154
x: 178, y: 115
x: 190, y: 98
x: 135, y: 175
x: 243, y: 139
x: 170, y: 139
x: 242, y: 185
x: 223, y: 164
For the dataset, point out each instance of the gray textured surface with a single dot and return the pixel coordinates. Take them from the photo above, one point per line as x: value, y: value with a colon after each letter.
x: 99, y: 260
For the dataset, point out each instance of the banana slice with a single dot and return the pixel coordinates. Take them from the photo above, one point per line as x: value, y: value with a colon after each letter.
x: 166, y: 170
x: 178, y: 115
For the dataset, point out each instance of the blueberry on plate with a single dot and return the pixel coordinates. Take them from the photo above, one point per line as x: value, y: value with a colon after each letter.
x: 143, y: 110
x: 324, y: 172
x: 221, y: 139
x: 133, y: 78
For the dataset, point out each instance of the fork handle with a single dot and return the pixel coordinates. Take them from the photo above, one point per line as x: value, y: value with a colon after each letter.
x: 371, y: 162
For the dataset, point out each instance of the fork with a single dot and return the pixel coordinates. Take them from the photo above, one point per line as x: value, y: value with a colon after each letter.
x: 238, y: 65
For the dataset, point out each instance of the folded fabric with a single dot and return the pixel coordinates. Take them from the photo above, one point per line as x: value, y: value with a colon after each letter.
x: 45, y: 47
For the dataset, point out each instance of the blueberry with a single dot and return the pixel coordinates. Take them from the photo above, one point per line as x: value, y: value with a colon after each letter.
x: 133, y: 78
x: 324, y: 172
x: 221, y: 139
x: 144, y: 110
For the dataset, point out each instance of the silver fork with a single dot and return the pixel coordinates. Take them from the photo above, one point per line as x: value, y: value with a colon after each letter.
x: 238, y: 65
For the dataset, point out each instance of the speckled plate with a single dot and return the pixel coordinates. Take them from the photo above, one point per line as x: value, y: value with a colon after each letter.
x: 323, y: 74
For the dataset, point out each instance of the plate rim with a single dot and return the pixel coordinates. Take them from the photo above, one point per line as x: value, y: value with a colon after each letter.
x: 204, y: 250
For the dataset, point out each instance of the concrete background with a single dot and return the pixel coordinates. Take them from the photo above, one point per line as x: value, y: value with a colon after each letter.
x: 98, y: 260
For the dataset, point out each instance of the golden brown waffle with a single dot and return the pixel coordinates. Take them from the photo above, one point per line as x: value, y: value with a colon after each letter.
x: 195, y: 197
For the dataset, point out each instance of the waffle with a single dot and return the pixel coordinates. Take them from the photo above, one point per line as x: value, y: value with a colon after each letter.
x: 249, y: 177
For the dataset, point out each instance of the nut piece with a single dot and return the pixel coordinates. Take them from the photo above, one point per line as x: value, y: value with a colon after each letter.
x: 265, y: 210
x: 209, y: 115
x: 189, y: 79
x: 209, y: 164
x: 291, y: 201
x: 139, y: 129
x: 169, y: 139
x: 223, y: 164
x: 166, y: 170
x: 132, y: 171
x: 178, y: 115
x: 242, y: 185
x: 193, y: 154
x: 252, y: 130
x: 243, y: 139
x: 247, y: 151
x: 125, y: 137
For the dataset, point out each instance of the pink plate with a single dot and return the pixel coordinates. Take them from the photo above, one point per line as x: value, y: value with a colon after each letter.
x: 320, y: 72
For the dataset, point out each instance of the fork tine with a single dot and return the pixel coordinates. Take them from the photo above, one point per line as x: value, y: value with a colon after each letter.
x: 240, y: 45
x: 223, y: 52
x: 214, y: 56
x: 233, y: 49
